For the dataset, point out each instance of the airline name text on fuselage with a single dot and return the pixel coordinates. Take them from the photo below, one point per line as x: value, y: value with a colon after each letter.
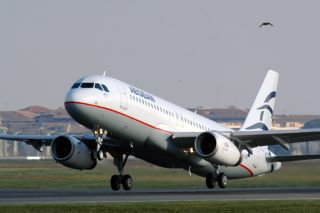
x: 141, y: 94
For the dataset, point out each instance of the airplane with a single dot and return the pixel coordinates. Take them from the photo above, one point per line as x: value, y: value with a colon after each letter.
x: 128, y: 121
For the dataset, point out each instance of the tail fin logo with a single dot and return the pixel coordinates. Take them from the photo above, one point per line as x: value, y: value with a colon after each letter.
x: 270, y: 96
x: 266, y: 106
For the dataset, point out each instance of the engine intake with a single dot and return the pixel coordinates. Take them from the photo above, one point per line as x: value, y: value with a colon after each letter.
x: 72, y: 153
x: 217, y: 149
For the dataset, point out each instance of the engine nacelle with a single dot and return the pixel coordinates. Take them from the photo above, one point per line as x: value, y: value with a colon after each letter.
x: 217, y: 149
x: 72, y: 153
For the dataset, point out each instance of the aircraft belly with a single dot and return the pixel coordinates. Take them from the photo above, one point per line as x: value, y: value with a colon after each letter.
x: 234, y: 172
x: 252, y: 165
x: 126, y: 129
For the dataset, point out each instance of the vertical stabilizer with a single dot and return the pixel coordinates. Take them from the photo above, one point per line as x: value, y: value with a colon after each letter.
x: 260, y: 114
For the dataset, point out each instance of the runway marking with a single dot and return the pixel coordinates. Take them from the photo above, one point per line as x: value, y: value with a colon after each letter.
x: 99, y: 196
x: 157, y: 201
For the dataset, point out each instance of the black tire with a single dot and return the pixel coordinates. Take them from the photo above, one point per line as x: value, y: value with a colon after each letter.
x: 210, y: 181
x: 222, y: 180
x: 115, y: 182
x: 127, y: 182
x: 94, y: 155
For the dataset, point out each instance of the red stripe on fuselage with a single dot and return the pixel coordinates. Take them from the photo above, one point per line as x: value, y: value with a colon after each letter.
x: 246, y: 168
x: 117, y: 112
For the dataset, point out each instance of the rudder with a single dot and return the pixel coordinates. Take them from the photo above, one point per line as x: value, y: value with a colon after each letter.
x: 260, y: 115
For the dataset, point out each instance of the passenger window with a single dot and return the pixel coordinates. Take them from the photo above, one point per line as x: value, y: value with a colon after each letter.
x: 75, y: 85
x: 105, y: 88
x: 98, y: 86
x: 87, y: 85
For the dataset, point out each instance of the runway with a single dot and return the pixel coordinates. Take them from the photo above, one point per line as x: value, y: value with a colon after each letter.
x: 21, y: 196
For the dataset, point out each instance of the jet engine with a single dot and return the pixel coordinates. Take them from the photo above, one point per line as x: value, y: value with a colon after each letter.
x: 217, y: 149
x: 72, y: 153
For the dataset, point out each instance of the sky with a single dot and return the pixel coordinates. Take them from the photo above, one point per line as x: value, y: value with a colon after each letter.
x: 193, y: 53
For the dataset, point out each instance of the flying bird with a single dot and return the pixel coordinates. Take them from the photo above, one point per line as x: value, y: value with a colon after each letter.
x: 266, y: 24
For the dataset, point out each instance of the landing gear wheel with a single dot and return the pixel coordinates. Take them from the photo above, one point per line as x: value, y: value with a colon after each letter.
x: 127, y: 182
x: 222, y: 180
x: 94, y: 155
x: 115, y: 182
x: 100, y: 155
x: 210, y: 181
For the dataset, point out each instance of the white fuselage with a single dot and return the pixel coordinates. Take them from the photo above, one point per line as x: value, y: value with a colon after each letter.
x: 144, y: 121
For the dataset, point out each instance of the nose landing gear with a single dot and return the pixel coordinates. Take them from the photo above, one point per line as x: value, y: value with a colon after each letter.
x: 99, y: 134
x: 118, y: 160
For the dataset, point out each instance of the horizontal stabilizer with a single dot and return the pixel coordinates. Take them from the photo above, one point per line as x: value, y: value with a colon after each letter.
x: 292, y: 158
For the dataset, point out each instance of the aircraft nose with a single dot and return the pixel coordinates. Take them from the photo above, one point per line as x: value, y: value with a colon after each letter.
x: 80, y: 96
x: 78, y: 103
x: 73, y: 96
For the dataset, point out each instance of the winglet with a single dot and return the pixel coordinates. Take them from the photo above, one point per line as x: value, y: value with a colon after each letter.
x: 260, y: 114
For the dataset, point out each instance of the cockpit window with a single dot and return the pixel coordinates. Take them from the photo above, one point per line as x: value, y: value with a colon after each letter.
x: 75, y: 85
x: 87, y: 85
x: 105, y: 88
x: 98, y: 86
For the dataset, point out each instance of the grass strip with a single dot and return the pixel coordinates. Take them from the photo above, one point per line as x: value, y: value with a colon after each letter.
x: 291, y: 206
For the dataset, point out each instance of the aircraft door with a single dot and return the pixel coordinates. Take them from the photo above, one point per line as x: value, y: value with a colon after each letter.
x: 124, y: 96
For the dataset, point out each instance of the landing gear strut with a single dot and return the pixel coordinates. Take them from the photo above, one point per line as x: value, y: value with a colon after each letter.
x: 118, y: 180
x: 211, y: 180
x: 99, y: 134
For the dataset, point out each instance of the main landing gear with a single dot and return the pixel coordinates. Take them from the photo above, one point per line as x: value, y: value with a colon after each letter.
x: 211, y: 180
x: 118, y: 180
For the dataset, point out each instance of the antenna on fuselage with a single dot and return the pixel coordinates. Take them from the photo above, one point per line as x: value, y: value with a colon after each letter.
x: 104, y: 73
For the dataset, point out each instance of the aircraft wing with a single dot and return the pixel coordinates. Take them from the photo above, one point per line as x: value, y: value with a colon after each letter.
x: 292, y: 158
x: 45, y: 139
x: 274, y: 137
x: 38, y: 141
x: 253, y: 138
